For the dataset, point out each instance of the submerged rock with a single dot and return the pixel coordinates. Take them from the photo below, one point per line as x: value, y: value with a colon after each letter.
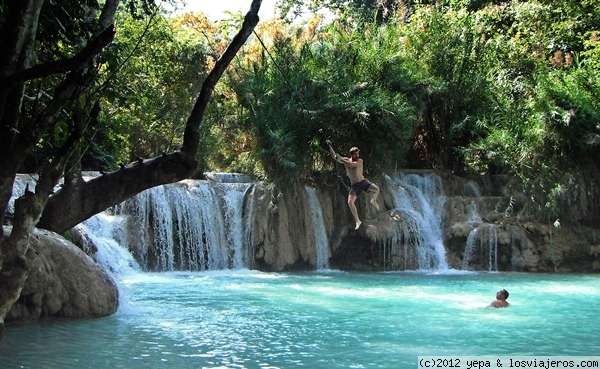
x: 63, y: 282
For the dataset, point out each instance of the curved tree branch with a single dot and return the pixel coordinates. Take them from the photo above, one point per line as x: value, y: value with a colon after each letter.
x: 91, y: 50
x: 191, y: 138
x: 67, y: 208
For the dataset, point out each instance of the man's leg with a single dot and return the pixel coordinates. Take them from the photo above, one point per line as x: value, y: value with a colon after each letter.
x: 353, y: 210
x: 375, y: 191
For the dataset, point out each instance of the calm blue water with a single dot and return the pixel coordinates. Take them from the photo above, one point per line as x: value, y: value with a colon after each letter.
x: 248, y: 319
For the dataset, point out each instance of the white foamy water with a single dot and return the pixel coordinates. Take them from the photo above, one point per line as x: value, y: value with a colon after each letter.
x: 419, y: 201
x: 190, y: 225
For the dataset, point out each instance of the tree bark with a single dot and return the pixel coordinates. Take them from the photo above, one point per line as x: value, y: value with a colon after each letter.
x: 16, y: 45
x: 66, y: 209
x: 82, y: 59
x: 17, y: 139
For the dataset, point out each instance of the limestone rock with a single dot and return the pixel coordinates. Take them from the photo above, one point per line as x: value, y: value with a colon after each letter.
x: 63, y: 282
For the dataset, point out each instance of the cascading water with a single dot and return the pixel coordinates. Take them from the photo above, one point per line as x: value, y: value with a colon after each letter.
x: 482, y: 248
x: 189, y: 225
x: 321, y: 243
x: 484, y: 237
x: 474, y: 217
x: 104, y: 231
x: 472, y: 186
x: 207, y: 225
x: 418, y: 201
x: 234, y: 200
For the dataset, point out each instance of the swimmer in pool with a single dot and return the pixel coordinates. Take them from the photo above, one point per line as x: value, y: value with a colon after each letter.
x: 500, y: 301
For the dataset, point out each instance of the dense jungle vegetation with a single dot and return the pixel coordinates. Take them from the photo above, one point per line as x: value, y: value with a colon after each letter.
x: 471, y: 86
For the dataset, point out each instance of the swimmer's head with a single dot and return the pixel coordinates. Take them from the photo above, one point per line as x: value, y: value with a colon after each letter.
x: 503, y: 293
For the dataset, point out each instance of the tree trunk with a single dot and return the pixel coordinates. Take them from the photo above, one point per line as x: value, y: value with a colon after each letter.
x: 18, y: 36
x: 67, y: 208
x: 191, y: 135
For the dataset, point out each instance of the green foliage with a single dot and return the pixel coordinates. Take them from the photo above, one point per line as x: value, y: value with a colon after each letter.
x: 64, y: 27
x: 486, y: 86
x: 155, y: 72
x: 542, y: 124
x: 591, y: 54
x: 368, y: 11
x: 347, y: 86
x: 453, y: 50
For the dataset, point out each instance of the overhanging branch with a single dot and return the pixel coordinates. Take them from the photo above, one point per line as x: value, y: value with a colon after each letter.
x: 91, y: 50
x: 191, y: 138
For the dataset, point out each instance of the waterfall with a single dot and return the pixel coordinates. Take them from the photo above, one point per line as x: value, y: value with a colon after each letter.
x: 208, y: 225
x: 189, y: 225
x: 105, y: 231
x: 484, y: 237
x: 418, y: 201
x: 234, y: 224
x: 473, y: 214
x: 482, y: 248
x: 472, y: 186
x: 321, y: 243
x: 248, y: 226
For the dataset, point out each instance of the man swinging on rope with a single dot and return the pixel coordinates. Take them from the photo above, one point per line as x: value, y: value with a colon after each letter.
x: 354, y: 171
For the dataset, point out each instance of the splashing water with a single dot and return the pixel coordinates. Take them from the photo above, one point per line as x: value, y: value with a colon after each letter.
x: 420, y: 201
x: 104, y: 231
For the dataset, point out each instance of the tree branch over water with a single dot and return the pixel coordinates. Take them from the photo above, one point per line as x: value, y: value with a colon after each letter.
x: 81, y: 200
x: 191, y: 137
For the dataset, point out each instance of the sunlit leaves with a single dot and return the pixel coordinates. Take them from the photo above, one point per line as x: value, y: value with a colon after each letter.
x: 158, y: 69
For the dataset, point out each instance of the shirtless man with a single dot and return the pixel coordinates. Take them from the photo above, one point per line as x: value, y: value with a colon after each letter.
x: 354, y: 171
x: 500, y: 301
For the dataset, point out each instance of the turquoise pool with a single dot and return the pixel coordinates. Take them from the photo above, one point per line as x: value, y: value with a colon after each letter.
x: 249, y: 319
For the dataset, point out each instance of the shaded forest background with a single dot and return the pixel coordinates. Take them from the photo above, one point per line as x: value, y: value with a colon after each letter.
x: 469, y: 86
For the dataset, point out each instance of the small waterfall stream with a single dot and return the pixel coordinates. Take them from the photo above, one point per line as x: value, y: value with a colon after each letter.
x: 418, y: 201
x: 105, y: 232
x: 321, y: 243
x: 481, y: 248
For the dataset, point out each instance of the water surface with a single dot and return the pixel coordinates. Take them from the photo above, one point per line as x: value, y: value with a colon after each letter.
x: 248, y: 319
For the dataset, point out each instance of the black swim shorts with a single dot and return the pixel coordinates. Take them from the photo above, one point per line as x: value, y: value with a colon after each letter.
x: 359, y: 187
